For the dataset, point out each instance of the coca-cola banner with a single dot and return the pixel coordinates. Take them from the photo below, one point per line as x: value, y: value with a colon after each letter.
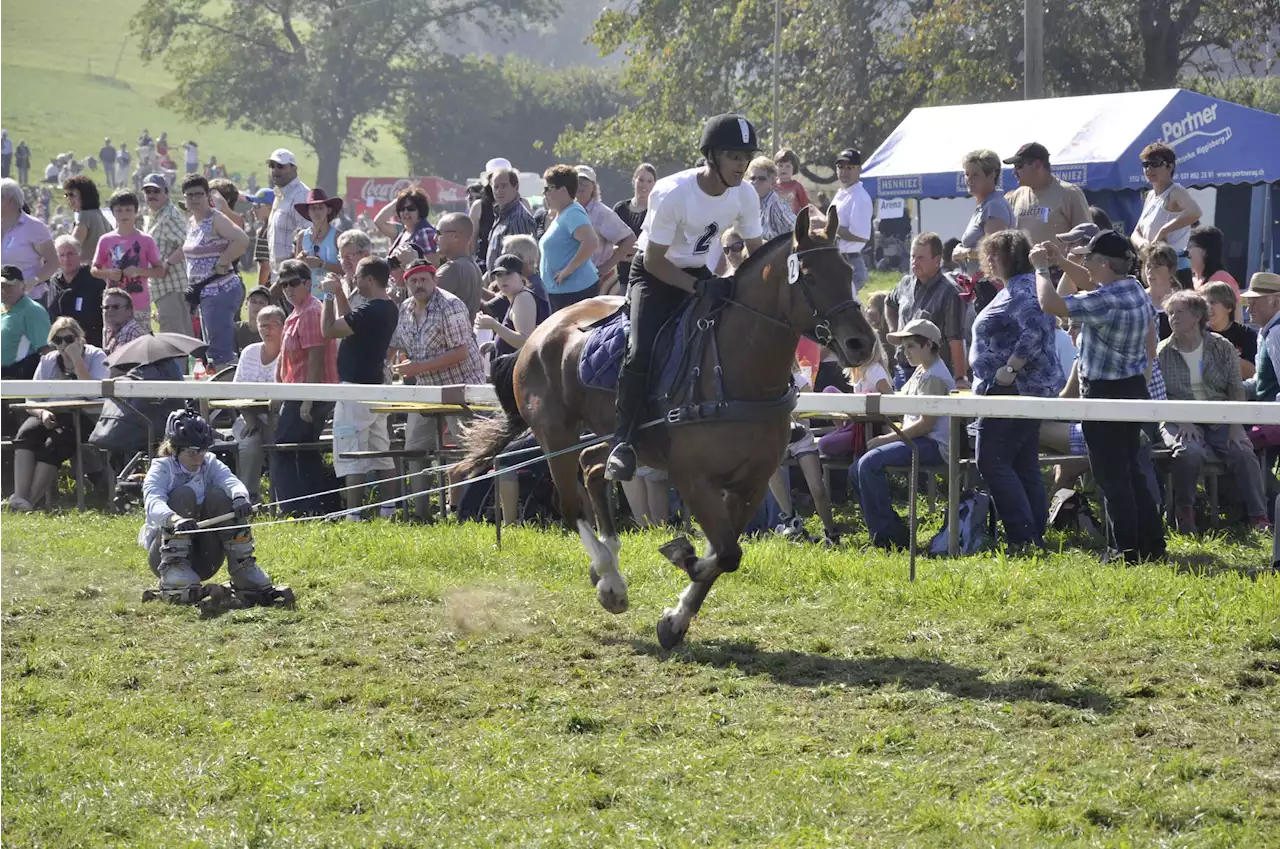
x: 369, y: 194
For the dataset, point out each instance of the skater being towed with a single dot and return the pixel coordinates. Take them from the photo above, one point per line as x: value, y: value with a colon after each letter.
x: 184, y: 485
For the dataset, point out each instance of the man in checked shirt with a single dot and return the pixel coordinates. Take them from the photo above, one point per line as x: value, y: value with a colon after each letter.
x: 167, y: 226
x: 434, y: 334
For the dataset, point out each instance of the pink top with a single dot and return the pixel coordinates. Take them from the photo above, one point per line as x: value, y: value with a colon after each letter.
x: 20, y: 249
x: 120, y: 252
x: 1221, y: 277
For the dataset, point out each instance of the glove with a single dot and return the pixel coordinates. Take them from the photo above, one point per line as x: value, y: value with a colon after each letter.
x: 242, y: 507
x: 715, y: 288
x: 183, y: 525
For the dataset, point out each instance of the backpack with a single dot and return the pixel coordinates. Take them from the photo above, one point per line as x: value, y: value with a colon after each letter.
x: 977, y: 522
x: 1070, y: 511
x: 122, y: 427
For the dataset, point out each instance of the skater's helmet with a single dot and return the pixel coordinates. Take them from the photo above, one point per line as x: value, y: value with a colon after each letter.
x: 185, y: 429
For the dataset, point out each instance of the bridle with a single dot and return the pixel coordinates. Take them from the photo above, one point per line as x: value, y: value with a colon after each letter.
x: 799, y: 275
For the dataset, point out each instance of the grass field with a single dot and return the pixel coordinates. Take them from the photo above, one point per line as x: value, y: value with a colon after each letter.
x: 429, y: 690
x: 61, y: 89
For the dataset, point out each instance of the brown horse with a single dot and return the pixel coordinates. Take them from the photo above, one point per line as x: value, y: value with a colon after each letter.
x: 796, y: 284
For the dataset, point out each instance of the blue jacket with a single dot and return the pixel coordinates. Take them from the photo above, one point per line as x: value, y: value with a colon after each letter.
x: 167, y: 474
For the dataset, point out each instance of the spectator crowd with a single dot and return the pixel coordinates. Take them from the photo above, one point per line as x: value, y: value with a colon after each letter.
x: 1039, y: 296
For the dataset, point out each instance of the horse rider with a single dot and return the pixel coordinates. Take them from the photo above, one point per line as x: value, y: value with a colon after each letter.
x: 678, y: 254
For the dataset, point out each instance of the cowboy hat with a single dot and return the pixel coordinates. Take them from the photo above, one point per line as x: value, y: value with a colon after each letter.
x: 319, y: 196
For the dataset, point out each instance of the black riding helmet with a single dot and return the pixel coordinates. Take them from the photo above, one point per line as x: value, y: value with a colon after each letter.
x: 728, y: 132
x: 185, y: 429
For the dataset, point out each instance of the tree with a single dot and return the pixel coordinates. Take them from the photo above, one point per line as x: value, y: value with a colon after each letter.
x: 971, y: 50
x: 315, y: 69
x: 851, y: 69
x: 463, y: 111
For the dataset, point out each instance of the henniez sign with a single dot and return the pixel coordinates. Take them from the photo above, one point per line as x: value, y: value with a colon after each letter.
x: 369, y: 194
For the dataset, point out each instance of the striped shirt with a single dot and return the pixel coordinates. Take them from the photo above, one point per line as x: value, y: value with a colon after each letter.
x: 776, y: 216
x: 512, y: 220
x: 168, y: 229
x: 285, y: 221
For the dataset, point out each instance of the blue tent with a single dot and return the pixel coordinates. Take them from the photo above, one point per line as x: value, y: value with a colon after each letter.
x: 1093, y: 141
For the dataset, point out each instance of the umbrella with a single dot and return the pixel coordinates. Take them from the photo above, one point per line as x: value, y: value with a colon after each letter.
x: 152, y: 349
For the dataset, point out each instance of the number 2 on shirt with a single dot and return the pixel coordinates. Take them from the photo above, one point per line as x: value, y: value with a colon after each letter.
x: 704, y: 241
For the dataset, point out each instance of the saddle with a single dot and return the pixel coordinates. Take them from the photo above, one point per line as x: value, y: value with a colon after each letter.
x: 676, y: 377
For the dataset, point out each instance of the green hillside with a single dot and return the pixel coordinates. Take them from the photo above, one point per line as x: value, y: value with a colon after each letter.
x: 61, y: 89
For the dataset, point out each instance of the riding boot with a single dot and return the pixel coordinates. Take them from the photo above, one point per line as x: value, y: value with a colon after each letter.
x: 621, y: 465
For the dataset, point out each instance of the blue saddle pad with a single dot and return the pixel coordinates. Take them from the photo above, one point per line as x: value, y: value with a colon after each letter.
x: 602, y: 353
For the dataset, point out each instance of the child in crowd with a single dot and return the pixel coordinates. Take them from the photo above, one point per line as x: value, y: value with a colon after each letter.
x: 127, y: 257
x: 805, y: 452
x: 848, y: 440
x: 921, y: 342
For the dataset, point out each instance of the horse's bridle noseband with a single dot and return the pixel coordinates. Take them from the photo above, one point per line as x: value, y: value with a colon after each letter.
x: 821, y: 332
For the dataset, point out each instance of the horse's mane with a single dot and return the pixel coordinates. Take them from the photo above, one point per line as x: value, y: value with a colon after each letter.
x: 761, y: 256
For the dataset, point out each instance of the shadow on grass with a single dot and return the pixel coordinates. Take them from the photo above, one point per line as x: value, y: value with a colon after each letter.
x: 799, y: 669
x: 1208, y: 564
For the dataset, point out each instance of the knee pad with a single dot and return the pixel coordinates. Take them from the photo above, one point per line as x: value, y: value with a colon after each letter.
x: 173, y: 547
x: 238, y: 544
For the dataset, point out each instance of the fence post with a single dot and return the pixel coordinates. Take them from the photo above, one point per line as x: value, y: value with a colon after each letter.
x: 958, y: 442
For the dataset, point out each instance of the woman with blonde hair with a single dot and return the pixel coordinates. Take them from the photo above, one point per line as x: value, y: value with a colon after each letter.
x: 993, y: 213
x: 46, y: 439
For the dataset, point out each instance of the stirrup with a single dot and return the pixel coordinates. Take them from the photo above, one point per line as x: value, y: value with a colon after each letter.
x: 621, y: 465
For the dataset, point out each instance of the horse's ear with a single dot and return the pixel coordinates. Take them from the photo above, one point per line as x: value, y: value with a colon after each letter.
x: 801, y: 231
x: 833, y: 223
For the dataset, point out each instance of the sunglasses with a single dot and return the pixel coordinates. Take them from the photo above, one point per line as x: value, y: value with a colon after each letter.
x: 736, y: 247
x: 290, y: 282
x: 63, y: 340
x: 1153, y: 163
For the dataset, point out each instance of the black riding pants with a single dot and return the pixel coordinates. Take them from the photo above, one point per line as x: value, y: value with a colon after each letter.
x: 651, y: 302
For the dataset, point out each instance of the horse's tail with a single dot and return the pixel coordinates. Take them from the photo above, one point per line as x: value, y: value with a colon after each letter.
x: 486, y: 438
x: 489, y: 436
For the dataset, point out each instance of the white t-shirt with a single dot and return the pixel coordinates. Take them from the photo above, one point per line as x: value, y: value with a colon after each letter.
x: 251, y: 368
x: 871, y: 379
x: 689, y: 221
x: 1066, y: 351
x: 854, y: 207
x: 1195, y: 364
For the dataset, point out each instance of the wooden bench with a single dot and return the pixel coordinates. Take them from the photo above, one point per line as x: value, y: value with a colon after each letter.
x: 399, y: 455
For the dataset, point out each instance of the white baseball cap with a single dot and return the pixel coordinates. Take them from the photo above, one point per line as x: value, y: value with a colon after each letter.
x: 496, y: 163
x: 588, y: 172
x: 282, y: 156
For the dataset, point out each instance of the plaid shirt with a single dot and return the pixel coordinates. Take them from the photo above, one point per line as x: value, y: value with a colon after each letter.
x: 776, y: 216
x: 1116, y: 319
x: 442, y: 327
x: 1219, y: 369
x: 302, y: 332
x: 168, y: 228
x: 114, y: 339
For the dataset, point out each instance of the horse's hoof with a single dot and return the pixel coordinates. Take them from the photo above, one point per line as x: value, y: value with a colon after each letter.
x: 668, y: 636
x: 614, y: 602
x: 679, y: 551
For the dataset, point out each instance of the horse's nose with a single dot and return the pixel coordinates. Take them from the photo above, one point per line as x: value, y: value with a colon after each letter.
x: 855, y: 346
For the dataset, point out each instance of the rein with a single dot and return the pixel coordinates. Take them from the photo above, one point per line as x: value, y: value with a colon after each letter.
x: 821, y: 332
